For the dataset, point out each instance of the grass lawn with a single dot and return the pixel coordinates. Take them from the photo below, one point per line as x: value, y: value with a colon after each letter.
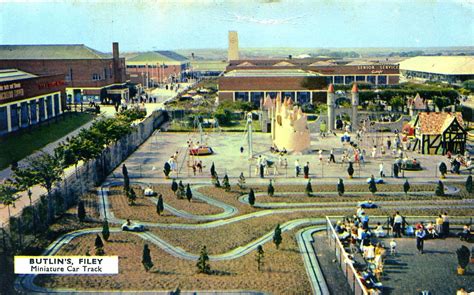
x: 16, y: 147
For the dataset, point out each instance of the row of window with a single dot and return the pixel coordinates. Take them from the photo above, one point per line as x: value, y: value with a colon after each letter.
x: 255, y: 97
x: 149, y: 66
x: 377, y: 80
x: 29, y: 112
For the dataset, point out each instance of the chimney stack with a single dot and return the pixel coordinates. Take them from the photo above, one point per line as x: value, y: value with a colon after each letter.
x: 116, y: 63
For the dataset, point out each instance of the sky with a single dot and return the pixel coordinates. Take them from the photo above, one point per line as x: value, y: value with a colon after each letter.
x: 183, y: 24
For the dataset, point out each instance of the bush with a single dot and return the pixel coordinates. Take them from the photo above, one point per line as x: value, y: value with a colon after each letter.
x: 469, y: 184
x: 463, y: 254
x: 105, y: 230
x: 270, y: 189
x: 439, y: 191
x: 251, y: 197
x: 81, y: 211
x: 309, y: 188
x: 340, y: 187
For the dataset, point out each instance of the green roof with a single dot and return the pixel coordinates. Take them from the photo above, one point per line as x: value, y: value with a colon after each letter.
x: 74, y: 51
x: 154, y: 57
x: 11, y: 75
x: 209, y: 65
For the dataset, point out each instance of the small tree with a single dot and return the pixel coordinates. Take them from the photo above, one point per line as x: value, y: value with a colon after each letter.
x: 215, y: 181
x: 309, y: 188
x: 126, y: 179
x: 251, y: 197
x: 270, y: 189
x: 8, y: 191
x: 350, y: 170
x: 439, y: 191
x: 132, y: 196
x: 174, y: 186
x: 181, y: 190
x: 443, y: 169
x: 99, y: 245
x: 81, y: 211
x: 463, y: 254
x: 225, y: 183
x: 159, y: 205
x: 167, y: 169
x: 340, y: 187
x: 146, y: 258
x: 469, y: 184
x: 105, y: 230
x: 406, y: 187
x: 241, y: 182
x: 213, y: 170
x: 189, y: 193
x: 25, y: 180
x: 277, y: 236
x: 372, y: 185
x: 203, y: 262
x: 259, y: 257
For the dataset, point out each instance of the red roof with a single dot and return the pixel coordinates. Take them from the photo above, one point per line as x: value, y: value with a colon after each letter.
x: 435, y: 123
x: 331, y: 88
x: 355, y: 88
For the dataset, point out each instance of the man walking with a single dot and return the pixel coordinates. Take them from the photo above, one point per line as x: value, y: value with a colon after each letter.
x: 306, y: 170
x: 297, y: 168
x: 397, y: 225
x: 331, y: 157
x: 420, y: 237
x: 381, y: 170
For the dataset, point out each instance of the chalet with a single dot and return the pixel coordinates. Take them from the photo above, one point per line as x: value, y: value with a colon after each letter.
x: 438, y: 133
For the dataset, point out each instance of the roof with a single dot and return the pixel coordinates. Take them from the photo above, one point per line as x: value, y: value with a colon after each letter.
x: 270, y: 73
x: 74, y: 51
x: 154, y: 57
x: 432, y: 123
x: 448, y: 65
x: 10, y: 75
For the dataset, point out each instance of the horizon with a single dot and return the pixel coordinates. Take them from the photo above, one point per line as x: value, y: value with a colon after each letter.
x: 199, y: 25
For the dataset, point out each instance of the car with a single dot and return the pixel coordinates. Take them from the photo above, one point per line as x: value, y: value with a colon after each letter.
x: 377, y: 180
x: 411, y: 165
x: 367, y: 205
x: 135, y: 227
x: 148, y: 192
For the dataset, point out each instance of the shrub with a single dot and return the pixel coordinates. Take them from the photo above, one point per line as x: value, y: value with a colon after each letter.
x: 309, y: 188
x: 203, y: 262
x: 81, y: 211
x: 105, y: 230
x: 251, y: 197
x: 340, y: 187
x: 439, y: 191
x: 277, y: 239
x: 463, y: 254
x: 146, y: 258
x: 469, y: 184
x: 270, y: 189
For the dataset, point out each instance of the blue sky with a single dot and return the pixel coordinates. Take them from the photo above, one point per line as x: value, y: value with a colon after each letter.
x: 147, y: 25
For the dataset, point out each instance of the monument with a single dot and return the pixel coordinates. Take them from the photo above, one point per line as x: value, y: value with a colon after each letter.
x: 233, y: 51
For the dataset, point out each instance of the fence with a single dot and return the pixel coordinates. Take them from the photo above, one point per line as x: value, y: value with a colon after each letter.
x: 347, y: 268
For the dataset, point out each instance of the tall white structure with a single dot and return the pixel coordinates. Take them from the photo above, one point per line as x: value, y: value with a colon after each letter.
x: 331, y: 102
x: 233, y: 51
x: 355, y: 105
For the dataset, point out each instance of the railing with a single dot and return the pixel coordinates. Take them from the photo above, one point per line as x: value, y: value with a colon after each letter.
x: 353, y: 279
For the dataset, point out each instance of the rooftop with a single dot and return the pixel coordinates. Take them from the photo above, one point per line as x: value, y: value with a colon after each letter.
x: 432, y: 123
x: 448, y: 65
x: 270, y: 73
x: 10, y: 75
x: 155, y: 57
x: 72, y: 51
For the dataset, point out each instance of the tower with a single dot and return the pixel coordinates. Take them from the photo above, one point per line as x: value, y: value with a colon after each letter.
x: 355, y: 104
x: 233, y: 51
x: 331, y: 100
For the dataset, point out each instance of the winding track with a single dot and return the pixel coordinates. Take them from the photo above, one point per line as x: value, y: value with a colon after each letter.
x: 303, y: 236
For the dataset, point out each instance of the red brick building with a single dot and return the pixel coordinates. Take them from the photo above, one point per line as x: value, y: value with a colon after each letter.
x: 88, y: 73
x: 27, y: 99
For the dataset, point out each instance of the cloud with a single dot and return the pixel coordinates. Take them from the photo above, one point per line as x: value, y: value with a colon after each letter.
x: 261, y: 21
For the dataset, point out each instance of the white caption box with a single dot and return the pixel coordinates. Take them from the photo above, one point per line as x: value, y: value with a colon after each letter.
x: 66, y: 265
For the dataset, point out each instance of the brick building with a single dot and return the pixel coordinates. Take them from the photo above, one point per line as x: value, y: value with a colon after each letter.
x: 27, y: 99
x: 154, y: 67
x: 88, y: 73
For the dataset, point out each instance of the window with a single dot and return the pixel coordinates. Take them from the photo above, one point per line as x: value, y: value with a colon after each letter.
x: 3, y: 120
x: 69, y: 75
x: 33, y: 108
x: 95, y: 77
x: 338, y: 79
x: 360, y: 78
x: 348, y: 79
x: 371, y: 79
x: 382, y: 80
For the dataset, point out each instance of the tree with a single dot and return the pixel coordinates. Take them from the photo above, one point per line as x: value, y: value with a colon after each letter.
x: 439, y: 191
x: 99, y: 245
x: 174, y: 186
x: 225, y: 183
x: 213, y: 170
x: 126, y: 179
x: 132, y: 196
x: 241, y: 182
x: 105, y: 230
x: 309, y: 188
x: 469, y: 184
x: 159, y: 205
x: 251, y: 197
x: 146, y: 258
x: 189, y: 193
x: 47, y: 171
x: 167, y: 169
x: 259, y: 257
x: 372, y: 185
x: 81, y: 211
x: 270, y: 189
x: 340, y: 187
x: 25, y: 180
x: 406, y: 187
x: 203, y: 262
x: 8, y: 191
x: 443, y: 169
x: 277, y: 236
x: 215, y: 181
x: 350, y: 170
x: 396, y: 102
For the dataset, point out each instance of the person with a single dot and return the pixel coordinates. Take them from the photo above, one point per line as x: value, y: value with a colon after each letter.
x: 420, y: 235
x: 262, y: 169
x: 365, y: 220
x: 439, y: 226
x: 129, y: 222
x: 199, y: 166
x: 445, y: 224
x: 369, y: 252
x: 331, y: 157
x: 393, y: 247
x: 306, y: 170
x: 397, y: 225
x: 381, y: 170
x: 465, y: 234
x: 389, y: 143
x: 320, y: 155
x: 378, y: 231
x: 241, y: 149
x: 360, y: 211
x: 297, y: 168
x: 374, y: 151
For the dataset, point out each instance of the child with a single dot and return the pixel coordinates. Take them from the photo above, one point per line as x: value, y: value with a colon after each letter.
x: 393, y: 247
